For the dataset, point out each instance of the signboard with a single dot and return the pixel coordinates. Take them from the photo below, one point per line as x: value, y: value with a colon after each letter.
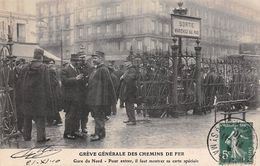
x: 185, y: 26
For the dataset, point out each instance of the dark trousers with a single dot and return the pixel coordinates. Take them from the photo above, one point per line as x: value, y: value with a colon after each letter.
x: 40, y: 127
x: 99, y: 113
x: 130, y: 110
x: 20, y: 120
x: 55, y: 117
x: 108, y: 111
x: 72, y: 118
x: 113, y: 109
x: 84, y: 112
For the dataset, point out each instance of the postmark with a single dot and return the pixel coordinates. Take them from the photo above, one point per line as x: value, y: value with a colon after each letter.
x: 232, y: 141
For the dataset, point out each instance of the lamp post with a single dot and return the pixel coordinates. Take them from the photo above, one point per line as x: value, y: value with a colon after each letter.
x: 180, y: 11
x: 61, y: 47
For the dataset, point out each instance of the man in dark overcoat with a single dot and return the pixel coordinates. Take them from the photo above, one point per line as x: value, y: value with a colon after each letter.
x: 101, y: 94
x: 35, y: 96
x: 71, y: 78
x: 210, y: 83
x: 85, y: 68
x: 130, y: 93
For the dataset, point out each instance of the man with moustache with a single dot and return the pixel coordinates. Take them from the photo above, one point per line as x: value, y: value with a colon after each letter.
x: 71, y: 79
x: 100, y: 94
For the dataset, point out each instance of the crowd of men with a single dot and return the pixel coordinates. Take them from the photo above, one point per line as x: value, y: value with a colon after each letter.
x: 78, y: 88
x: 89, y: 87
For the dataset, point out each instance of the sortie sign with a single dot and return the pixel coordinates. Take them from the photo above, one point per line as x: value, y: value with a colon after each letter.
x: 185, y: 26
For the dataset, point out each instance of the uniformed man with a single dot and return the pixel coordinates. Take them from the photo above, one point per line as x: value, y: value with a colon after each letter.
x: 100, y: 94
x: 85, y: 68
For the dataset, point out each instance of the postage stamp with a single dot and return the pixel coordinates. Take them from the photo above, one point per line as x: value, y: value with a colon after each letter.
x: 232, y: 142
x: 236, y: 143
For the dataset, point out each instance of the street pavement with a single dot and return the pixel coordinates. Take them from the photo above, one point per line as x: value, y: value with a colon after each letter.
x: 189, y: 131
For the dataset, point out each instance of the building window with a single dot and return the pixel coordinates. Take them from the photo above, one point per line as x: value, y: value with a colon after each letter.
x: 160, y: 27
x: 80, y: 16
x: 118, y: 27
x: 108, y: 29
x: 58, y: 8
x: 89, y: 30
x: 52, y: 10
x: 118, y: 10
x: 67, y: 21
x: 20, y: 6
x: 108, y: 12
x: 128, y: 45
x: 50, y: 24
x: 98, y: 12
x: 160, y: 8
x: 159, y: 45
x: 89, y: 14
x: 140, y: 45
x: 21, y: 32
x: 89, y: 47
x: 152, y: 44
x: 2, y: 29
x: 58, y: 23
x: 167, y: 29
x: 98, y: 30
x: 153, y: 26
x: 166, y: 48
x: 67, y: 39
x: 80, y: 33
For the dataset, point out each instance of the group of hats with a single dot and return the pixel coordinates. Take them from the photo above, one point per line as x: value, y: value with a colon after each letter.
x: 81, y: 55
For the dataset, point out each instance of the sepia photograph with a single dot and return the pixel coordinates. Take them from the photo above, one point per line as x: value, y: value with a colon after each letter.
x: 129, y: 82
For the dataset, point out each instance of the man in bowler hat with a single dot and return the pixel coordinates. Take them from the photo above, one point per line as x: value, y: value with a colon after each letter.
x: 101, y: 94
x: 71, y: 78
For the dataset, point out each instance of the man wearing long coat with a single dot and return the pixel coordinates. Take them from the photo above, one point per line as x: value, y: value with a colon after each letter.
x: 71, y: 79
x: 101, y: 94
x: 35, y: 96
x: 129, y: 93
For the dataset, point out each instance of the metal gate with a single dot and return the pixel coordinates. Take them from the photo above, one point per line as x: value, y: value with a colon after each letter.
x: 8, y: 128
x: 173, y: 83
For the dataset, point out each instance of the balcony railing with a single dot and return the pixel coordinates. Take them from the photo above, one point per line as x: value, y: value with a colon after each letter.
x: 99, y: 18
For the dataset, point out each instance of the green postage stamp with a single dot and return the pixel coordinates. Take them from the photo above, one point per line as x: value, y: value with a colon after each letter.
x: 236, y: 143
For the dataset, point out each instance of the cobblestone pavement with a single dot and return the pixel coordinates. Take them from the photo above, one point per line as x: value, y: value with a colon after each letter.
x: 188, y: 131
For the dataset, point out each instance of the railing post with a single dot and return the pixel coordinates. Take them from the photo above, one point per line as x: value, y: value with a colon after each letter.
x: 175, y: 73
x: 198, y: 75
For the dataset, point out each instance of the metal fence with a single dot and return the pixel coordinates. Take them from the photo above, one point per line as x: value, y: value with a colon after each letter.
x: 172, y: 83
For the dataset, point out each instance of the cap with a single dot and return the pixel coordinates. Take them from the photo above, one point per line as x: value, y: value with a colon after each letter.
x: 99, y: 54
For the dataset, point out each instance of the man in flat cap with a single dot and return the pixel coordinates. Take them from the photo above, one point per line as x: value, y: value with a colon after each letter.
x: 35, y: 96
x: 101, y: 94
x: 71, y: 79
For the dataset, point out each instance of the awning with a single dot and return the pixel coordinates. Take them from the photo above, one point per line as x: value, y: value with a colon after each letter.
x: 26, y: 50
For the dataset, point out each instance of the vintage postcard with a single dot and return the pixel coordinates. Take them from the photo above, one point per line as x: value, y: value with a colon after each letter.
x: 129, y: 82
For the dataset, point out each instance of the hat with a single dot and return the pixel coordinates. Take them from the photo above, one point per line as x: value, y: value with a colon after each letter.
x: 74, y: 57
x: 38, y: 53
x: 99, y: 54
x: 11, y: 57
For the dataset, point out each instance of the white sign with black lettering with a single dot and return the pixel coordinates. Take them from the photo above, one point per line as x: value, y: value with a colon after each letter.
x: 184, y: 26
